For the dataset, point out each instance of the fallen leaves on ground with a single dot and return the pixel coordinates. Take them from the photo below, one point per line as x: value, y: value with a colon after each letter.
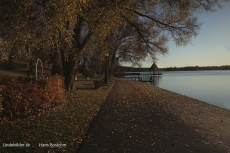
x: 66, y: 125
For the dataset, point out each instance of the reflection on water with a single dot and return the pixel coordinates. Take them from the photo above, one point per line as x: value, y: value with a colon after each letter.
x: 155, y: 80
x: 150, y: 79
x: 209, y: 86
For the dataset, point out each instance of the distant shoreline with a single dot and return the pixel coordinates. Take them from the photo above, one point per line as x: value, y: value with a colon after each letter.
x: 197, y: 70
x: 186, y: 68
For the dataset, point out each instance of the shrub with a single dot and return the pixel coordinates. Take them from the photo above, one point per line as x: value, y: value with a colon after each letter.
x: 26, y: 96
x: 53, y: 90
x: 89, y: 74
x: 97, y: 83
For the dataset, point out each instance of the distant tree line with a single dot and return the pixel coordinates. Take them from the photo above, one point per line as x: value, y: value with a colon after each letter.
x: 187, y: 68
x: 196, y: 68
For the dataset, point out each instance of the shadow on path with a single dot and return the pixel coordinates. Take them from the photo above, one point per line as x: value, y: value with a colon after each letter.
x: 132, y: 121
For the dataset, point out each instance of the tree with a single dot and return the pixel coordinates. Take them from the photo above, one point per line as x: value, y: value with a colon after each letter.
x: 34, y: 25
x: 134, y: 41
x: 54, y: 24
x: 95, y: 21
x: 93, y: 56
x: 174, y: 19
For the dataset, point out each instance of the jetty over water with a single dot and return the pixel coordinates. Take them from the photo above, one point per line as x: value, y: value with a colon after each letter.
x: 143, y: 77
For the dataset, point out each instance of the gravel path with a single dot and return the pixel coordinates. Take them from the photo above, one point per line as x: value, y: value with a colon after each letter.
x: 141, y: 118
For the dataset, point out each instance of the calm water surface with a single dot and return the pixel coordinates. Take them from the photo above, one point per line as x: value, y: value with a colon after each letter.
x: 210, y: 86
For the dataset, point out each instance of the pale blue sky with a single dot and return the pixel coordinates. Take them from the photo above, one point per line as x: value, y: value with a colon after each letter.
x: 211, y: 47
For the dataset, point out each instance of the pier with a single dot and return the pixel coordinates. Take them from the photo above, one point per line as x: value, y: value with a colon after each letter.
x: 143, y: 77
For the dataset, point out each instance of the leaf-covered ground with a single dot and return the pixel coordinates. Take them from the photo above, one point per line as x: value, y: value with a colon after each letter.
x: 64, y: 125
x: 135, y: 117
x: 141, y: 118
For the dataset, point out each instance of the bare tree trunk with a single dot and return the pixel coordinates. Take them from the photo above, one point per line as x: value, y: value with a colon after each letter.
x: 56, y: 62
x: 111, y: 68
x: 99, y: 71
x: 10, y: 58
x: 69, y: 70
x: 69, y: 77
x: 31, y: 68
x: 56, y: 69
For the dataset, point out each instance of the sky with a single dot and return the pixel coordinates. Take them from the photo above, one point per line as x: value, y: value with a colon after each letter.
x: 211, y: 47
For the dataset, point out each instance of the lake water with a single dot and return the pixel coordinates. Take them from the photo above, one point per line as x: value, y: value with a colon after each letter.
x: 210, y: 86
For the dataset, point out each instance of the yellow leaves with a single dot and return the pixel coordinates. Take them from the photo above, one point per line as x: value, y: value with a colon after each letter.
x: 83, y: 1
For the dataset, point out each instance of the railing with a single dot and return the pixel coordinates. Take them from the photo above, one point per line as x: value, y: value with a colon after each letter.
x: 143, y: 77
x: 130, y: 78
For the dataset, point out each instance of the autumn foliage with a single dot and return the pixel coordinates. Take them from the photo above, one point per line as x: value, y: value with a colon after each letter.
x: 23, y: 96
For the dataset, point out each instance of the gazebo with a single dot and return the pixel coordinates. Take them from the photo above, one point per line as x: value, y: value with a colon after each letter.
x: 154, y: 68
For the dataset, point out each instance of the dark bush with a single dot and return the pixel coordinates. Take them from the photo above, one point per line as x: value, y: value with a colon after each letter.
x: 25, y: 96
x: 97, y: 83
x: 89, y: 74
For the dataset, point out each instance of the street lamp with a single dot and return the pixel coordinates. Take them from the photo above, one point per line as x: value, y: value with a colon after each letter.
x: 106, y: 68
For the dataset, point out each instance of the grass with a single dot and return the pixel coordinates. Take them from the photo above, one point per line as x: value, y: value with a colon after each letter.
x: 6, y: 73
x: 65, y: 124
x: 20, y: 68
x: 85, y: 84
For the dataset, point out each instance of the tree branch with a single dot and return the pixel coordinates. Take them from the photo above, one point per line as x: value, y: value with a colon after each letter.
x: 155, y: 20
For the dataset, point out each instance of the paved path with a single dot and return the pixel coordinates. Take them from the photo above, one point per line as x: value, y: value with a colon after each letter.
x: 132, y: 120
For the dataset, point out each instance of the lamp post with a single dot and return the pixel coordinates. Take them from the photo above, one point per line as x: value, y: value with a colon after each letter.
x: 106, y: 68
